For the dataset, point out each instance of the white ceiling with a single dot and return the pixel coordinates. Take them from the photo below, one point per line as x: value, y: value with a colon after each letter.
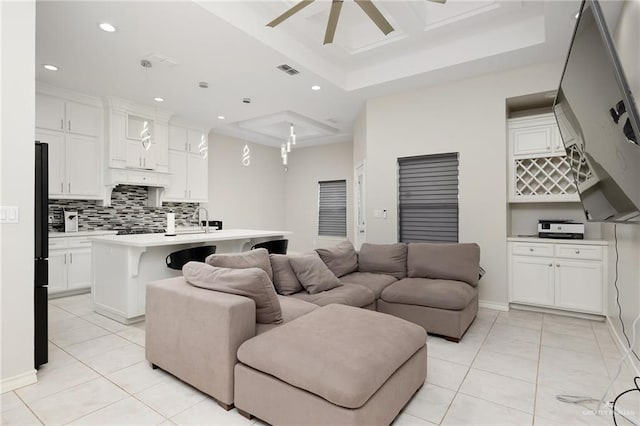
x: 227, y: 44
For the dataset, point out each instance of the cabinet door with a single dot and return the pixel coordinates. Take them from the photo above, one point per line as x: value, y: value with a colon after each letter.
x: 57, y: 271
x: 532, y: 140
x: 197, y: 139
x: 49, y: 112
x: 55, y: 140
x: 83, y: 119
x: 177, y: 138
x: 79, y: 269
x: 177, y: 189
x: 134, y: 154
x: 83, y: 166
x: 117, y: 140
x: 198, y: 168
x: 532, y: 280
x: 162, y: 147
x: 579, y: 285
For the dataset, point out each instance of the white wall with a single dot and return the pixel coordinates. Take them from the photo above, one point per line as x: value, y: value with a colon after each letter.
x: 308, y: 166
x: 17, y: 112
x: 626, y: 36
x: 244, y: 197
x: 468, y: 117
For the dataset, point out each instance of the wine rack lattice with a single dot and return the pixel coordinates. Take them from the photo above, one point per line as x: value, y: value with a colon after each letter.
x: 550, y: 175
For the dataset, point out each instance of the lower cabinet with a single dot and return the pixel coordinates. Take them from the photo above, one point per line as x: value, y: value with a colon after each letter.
x: 568, y: 276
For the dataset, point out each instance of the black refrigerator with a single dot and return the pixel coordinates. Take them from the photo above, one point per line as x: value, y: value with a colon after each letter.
x: 41, y: 271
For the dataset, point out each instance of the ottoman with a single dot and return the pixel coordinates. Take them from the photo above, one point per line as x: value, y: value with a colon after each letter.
x: 337, y: 365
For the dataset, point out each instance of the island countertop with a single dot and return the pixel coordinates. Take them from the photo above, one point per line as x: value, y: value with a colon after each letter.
x: 154, y: 240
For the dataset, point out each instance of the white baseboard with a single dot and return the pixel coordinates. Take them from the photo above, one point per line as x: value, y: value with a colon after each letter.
x: 15, y: 382
x: 493, y: 305
x: 622, y: 345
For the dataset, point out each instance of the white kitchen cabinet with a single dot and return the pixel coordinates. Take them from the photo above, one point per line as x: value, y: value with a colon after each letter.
x: 188, y: 165
x: 539, y: 165
x: 70, y: 262
x: 73, y: 131
x: 561, y: 274
x: 74, y: 165
x: 140, y: 158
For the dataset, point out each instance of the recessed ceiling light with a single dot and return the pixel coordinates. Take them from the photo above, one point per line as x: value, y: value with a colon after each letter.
x: 158, y: 99
x: 221, y: 117
x: 203, y: 85
x: 315, y: 87
x: 105, y: 26
x: 50, y: 67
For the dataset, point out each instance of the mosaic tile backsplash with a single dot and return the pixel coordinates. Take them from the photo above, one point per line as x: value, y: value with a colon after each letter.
x: 128, y: 210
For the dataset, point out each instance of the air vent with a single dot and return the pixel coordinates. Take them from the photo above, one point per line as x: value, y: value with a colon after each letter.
x: 286, y: 68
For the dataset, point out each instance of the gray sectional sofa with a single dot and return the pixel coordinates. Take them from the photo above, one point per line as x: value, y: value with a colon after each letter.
x: 195, y: 333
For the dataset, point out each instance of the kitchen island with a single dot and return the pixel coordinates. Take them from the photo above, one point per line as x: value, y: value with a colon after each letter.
x: 124, y: 264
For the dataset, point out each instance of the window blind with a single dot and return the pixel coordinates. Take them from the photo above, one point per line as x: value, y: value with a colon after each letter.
x: 428, y: 198
x: 332, y: 208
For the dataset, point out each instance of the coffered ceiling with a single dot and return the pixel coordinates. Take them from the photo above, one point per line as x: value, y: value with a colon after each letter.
x: 227, y: 44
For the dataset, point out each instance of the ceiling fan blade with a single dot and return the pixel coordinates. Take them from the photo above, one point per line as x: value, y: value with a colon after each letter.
x: 336, y: 6
x: 295, y: 9
x: 374, y: 14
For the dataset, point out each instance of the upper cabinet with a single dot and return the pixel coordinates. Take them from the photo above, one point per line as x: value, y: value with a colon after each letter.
x: 188, y: 165
x: 539, y: 166
x: 73, y: 130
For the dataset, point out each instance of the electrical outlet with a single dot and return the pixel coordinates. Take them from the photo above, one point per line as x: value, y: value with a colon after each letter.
x: 50, y: 218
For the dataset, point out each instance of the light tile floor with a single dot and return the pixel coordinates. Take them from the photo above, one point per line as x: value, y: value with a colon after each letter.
x: 508, y: 369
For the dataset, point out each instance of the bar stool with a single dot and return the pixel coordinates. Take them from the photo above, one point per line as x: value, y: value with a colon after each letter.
x: 274, y: 246
x: 178, y: 259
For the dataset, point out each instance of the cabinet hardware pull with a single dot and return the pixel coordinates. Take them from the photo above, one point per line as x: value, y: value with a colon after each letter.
x: 70, y: 257
x: 185, y: 193
x: 558, y: 265
x: 61, y: 187
x: 144, y: 161
x: 139, y: 161
x: 61, y: 124
x: 550, y: 265
x: 530, y: 249
x: 577, y: 251
x: 69, y: 125
x: 69, y: 187
x: 65, y: 258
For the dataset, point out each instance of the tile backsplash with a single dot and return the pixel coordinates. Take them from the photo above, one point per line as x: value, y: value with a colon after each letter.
x: 128, y: 210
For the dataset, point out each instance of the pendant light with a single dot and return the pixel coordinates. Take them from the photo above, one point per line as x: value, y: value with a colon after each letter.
x: 246, y: 152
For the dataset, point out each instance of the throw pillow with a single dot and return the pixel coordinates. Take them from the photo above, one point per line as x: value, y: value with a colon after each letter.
x: 313, y: 274
x: 258, y: 258
x: 389, y: 259
x: 250, y: 282
x: 459, y: 262
x: 340, y: 259
x: 284, y: 279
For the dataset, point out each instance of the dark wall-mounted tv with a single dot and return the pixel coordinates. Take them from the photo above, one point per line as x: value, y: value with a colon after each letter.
x: 598, y: 119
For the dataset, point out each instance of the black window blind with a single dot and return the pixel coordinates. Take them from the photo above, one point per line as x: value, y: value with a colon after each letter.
x: 428, y: 198
x: 332, y: 208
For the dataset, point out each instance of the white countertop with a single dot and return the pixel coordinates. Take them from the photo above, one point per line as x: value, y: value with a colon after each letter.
x: 152, y: 240
x: 80, y: 234
x: 557, y: 241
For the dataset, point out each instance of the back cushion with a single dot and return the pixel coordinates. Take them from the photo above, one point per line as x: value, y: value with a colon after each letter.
x: 313, y: 274
x: 284, y: 279
x: 250, y: 282
x: 390, y: 259
x: 340, y: 259
x: 460, y: 262
x: 258, y: 258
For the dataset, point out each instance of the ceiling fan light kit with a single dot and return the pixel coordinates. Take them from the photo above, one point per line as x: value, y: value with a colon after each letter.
x: 334, y: 14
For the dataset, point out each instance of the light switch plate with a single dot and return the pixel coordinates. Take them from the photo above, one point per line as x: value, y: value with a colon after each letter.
x: 9, y: 214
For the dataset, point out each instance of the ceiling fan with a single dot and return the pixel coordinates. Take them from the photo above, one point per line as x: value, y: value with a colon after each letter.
x: 336, y: 5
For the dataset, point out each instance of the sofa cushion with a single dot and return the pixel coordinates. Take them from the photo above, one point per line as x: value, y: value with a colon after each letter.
x: 459, y: 262
x: 390, y: 259
x: 441, y: 294
x: 340, y: 353
x: 352, y: 295
x: 374, y: 282
x: 313, y: 274
x: 284, y: 279
x: 258, y: 258
x: 342, y: 259
x: 291, y: 309
x: 250, y: 282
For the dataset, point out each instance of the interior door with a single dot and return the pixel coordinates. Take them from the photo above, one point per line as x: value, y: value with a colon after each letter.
x: 359, y: 191
x: 56, y: 160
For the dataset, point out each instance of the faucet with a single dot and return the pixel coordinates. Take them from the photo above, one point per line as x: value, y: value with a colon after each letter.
x: 206, y: 218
